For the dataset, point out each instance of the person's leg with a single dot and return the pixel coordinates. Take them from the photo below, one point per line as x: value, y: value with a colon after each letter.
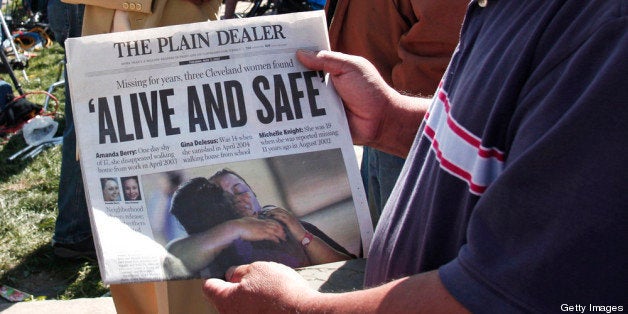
x: 369, y: 181
x: 364, y: 167
x: 1, y: 30
x: 384, y: 169
x: 75, y: 18
x: 58, y: 19
x: 73, y: 234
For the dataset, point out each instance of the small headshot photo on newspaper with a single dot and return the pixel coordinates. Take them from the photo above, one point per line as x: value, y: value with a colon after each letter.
x: 110, y: 189
x: 131, y: 189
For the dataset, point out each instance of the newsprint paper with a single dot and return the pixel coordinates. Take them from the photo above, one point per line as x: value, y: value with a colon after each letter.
x: 160, y: 112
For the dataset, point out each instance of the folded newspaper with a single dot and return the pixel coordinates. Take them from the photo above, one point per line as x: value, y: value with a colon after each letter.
x: 208, y: 145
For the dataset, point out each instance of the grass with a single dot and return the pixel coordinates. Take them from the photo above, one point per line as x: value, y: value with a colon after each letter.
x: 28, y: 205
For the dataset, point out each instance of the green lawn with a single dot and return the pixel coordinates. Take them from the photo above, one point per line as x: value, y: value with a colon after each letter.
x: 28, y: 205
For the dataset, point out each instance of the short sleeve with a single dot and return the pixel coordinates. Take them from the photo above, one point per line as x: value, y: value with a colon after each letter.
x: 551, y: 229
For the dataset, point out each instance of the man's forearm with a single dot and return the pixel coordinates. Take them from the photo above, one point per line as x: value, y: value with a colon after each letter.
x: 423, y: 293
x: 399, y: 127
x: 378, y: 115
x: 274, y: 288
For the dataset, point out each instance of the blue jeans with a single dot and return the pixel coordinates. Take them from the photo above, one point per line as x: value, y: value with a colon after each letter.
x: 379, y: 172
x: 65, y: 20
x: 72, y: 225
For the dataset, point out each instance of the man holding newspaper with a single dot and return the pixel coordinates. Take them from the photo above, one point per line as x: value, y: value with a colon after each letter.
x: 503, y: 205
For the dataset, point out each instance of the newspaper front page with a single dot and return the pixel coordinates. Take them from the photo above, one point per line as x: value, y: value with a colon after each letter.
x: 225, y: 110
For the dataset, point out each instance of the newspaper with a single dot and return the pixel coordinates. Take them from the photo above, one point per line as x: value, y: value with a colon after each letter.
x: 159, y: 109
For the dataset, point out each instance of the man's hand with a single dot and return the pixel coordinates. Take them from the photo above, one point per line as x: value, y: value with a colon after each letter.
x: 364, y: 92
x: 261, y: 287
x: 378, y: 115
x: 264, y: 287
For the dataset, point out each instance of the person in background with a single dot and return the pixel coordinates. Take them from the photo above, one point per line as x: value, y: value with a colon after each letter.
x: 65, y: 20
x: 504, y: 204
x: 105, y: 16
x: 72, y: 236
x: 410, y: 43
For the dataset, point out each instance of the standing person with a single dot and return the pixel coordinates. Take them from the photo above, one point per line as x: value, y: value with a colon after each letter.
x: 505, y: 204
x: 410, y: 43
x: 65, y: 20
x: 105, y: 16
x: 73, y: 234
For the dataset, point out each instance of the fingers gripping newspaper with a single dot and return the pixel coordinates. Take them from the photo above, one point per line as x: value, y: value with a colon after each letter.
x: 208, y: 145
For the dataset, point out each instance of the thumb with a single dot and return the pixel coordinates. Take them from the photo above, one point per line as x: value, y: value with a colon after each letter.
x: 309, y: 59
x: 216, y: 289
x: 328, y: 61
x: 332, y: 62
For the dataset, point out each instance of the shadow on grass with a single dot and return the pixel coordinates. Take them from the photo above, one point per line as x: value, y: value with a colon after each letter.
x: 42, y: 274
x: 10, y: 168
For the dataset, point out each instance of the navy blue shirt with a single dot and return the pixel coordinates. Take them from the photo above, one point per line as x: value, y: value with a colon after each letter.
x: 516, y: 187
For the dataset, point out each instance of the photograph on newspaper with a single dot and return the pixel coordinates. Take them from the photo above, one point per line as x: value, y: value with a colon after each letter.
x: 208, y: 145
x: 306, y: 196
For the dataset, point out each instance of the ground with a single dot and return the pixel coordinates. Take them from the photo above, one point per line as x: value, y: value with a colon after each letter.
x: 70, y: 278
